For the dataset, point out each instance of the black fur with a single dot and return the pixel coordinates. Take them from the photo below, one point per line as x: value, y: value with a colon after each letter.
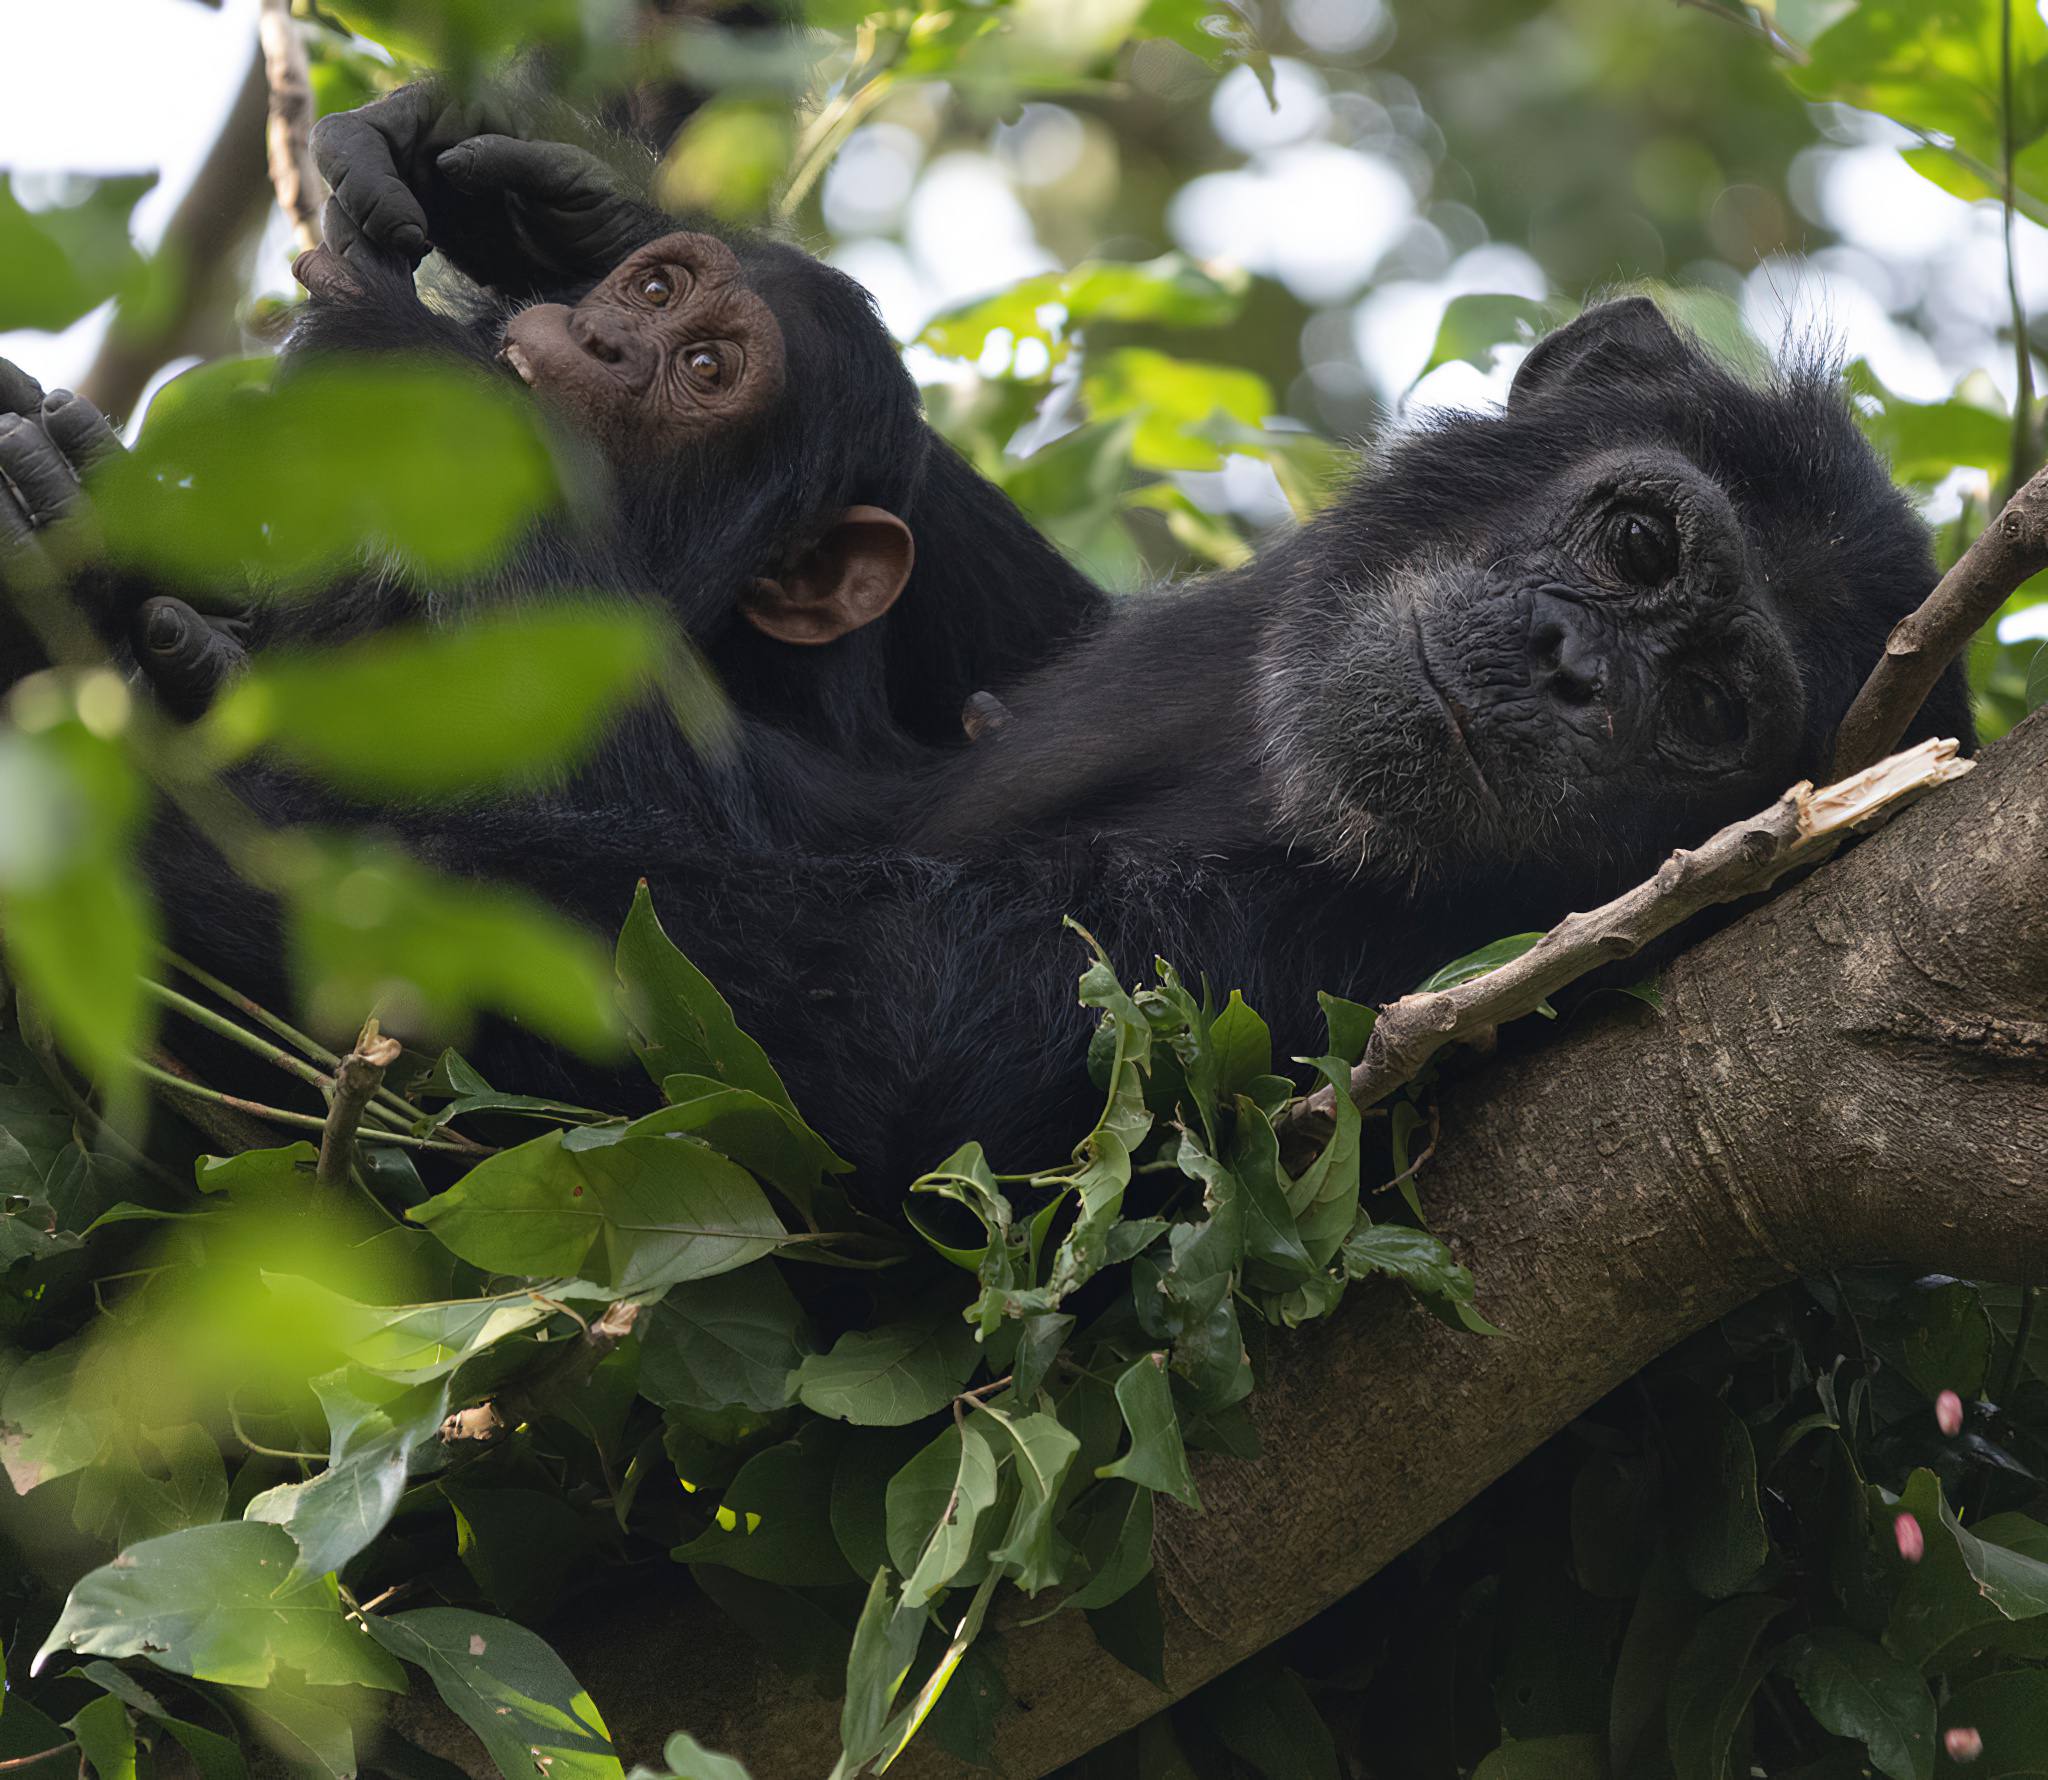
x: 1253, y: 778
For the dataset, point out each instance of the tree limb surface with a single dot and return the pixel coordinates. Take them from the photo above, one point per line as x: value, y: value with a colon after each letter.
x: 2008, y: 552
x: 1856, y: 1072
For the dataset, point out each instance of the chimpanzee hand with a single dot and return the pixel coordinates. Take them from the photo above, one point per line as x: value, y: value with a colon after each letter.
x: 421, y: 169
x: 48, y: 445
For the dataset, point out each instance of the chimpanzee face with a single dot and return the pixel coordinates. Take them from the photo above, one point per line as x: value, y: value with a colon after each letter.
x: 672, y: 348
x: 1635, y: 611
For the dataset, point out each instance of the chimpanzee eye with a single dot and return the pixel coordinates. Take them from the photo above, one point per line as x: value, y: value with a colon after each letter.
x: 1643, y: 548
x: 705, y: 365
x: 657, y: 289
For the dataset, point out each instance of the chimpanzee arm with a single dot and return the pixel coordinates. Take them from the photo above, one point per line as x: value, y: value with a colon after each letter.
x: 48, y: 446
x: 422, y: 169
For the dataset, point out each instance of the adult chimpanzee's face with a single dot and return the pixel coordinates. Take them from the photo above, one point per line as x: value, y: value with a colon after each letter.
x: 672, y: 348
x: 1592, y: 629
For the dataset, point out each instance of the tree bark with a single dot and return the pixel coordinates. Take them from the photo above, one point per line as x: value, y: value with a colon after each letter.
x: 1855, y: 1072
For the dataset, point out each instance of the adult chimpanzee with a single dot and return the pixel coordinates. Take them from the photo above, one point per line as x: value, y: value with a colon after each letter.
x: 774, y: 481
x: 1526, y: 655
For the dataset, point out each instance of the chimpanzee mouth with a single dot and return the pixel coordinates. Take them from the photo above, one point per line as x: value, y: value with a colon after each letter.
x: 514, y: 361
x: 1456, y: 716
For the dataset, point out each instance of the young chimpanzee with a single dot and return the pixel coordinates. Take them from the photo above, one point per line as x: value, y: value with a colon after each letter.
x: 774, y: 481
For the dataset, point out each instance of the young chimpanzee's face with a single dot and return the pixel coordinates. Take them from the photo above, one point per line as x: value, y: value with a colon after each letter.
x: 673, y: 348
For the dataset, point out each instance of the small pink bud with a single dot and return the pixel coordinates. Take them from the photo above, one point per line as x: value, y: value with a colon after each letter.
x: 1962, y: 1743
x: 1948, y: 1413
x: 1912, y: 1542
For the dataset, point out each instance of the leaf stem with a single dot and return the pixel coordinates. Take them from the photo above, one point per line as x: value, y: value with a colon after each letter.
x: 2023, y: 459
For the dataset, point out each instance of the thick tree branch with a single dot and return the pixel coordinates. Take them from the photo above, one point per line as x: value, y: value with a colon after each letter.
x: 1856, y: 1072
x: 200, y: 261
x: 2009, y: 551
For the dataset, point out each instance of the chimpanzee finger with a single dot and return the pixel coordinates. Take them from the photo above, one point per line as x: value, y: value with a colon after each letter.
x: 19, y: 392
x: 44, y: 484
x: 186, y: 656
x: 552, y: 173
x: 84, y: 435
x: 362, y: 164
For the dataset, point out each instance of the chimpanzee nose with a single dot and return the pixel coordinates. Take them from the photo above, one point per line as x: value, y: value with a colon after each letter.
x: 601, y: 337
x: 1566, y: 659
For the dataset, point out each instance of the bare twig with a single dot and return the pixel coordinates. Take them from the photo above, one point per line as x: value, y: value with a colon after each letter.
x: 1757, y: 26
x: 1801, y: 828
x: 2009, y: 550
x: 288, y: 135
x: 356, y: 1081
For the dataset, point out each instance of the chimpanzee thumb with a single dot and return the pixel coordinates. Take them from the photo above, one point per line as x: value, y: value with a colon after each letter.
x: 185, y: 657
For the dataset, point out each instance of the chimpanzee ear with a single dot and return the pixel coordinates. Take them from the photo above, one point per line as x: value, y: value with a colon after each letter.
x: 848, y: 578
x: 1634, y: 328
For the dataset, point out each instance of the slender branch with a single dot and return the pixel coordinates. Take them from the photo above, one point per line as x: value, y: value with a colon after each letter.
x: 288, y: 132
x: 1761, y: 29
x: 2008, y: 551
x: 1801, y: 828
x: 29, y: 1761
x: 355, y: 1082
x: 277, y: 1115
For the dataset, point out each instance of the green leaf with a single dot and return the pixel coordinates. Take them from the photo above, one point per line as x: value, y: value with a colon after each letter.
x: 156, y: 1481
x: 106, y: 1738
x: 884, y: 1644
x: 1477, y: 964
x: 1717, y: 1517
x: 1947, y: 1342
x: 1243, y: 1047
x: 1350, y: 1024
x: 1961, y: 1584
x: 213, y: 1603
x: 633, y: 1216
x: 1114, y: 1539
x: 408, y: 1343
x: 679, y: 1023
x: 1171, y: 291
x: 288, y: 483
x: 1171, y: 399
x: 883, y: 1378
x: 79, y: 930
x: 214, y: 1756
x: 775, y: 1521
x: 502, y: 701
x: 1924, y: 441
x: 2037, y: 679
x: 370, y: 927
x: 1157, y: 1459
x: 935, y: 1530
x: 687, y: 1759
x: 57, y: 264
x: 311, y: 1728
x: 372, y: 1427
x: 1855, y: 1689
x: 731, y: 1340
x: 1424, y: 1263
x: 1263, y: 1715
x: 2010, y: 1712
x: 1032, y: 1552
x: 759, y: 1134
x: 730, y: 158
x: 1545, y: 1758
x: 1717, y: 1675
x: 1476, y: 326
x: 509, y: 1687
x: 1933, y: 66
